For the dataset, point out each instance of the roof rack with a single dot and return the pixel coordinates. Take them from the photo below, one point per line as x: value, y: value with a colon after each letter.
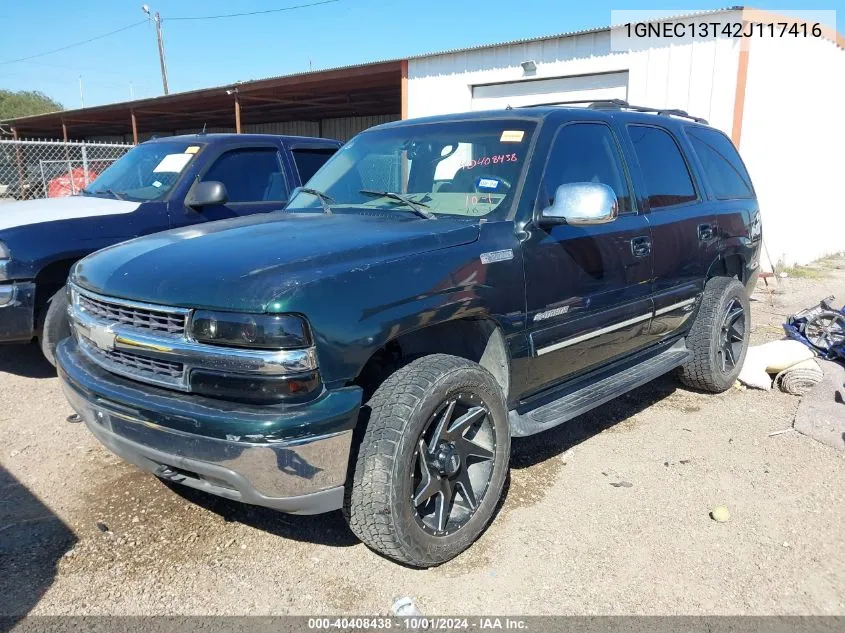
x: 621, y: 104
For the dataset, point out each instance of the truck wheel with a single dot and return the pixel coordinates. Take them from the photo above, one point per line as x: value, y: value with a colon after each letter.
x: 718, y: 339
x: 432, y: 462
x: 55, y: 326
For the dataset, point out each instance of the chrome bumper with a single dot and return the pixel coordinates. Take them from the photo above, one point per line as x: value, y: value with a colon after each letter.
x: 300, y: 475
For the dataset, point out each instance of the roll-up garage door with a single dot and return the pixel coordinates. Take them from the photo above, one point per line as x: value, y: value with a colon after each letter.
x: 535, y: 91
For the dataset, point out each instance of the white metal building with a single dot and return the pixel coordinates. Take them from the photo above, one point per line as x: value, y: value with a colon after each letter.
x: 780, y: 103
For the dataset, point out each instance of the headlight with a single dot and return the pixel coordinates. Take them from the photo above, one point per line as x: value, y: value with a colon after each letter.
x: 4, y: 251
x: 257, y: 331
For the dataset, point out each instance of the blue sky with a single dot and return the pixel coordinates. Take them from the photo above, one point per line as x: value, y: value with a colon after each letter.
x: 212, y: 52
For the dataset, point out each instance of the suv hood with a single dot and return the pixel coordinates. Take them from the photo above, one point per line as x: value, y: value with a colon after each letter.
x: 14, y: 214
x: 246, y: 264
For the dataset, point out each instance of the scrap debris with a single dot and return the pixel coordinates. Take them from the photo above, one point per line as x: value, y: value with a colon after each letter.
x: 821, y: 328
x: 780, y: 359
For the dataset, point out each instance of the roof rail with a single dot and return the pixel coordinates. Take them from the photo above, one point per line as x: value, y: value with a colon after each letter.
x: 621, y: 104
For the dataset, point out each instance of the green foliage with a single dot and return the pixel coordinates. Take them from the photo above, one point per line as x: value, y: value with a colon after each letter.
x: 25, y: 103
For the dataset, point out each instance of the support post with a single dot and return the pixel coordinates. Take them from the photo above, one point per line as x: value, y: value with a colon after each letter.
x: 404, y: 88
x: 237, y: 113
x: 134, y: 127
x: 85, y: 179
x: 64, y: 131
x: 21, y: 182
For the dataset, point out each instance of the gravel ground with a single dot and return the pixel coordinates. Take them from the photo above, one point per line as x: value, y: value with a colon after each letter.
x: 606, y: 515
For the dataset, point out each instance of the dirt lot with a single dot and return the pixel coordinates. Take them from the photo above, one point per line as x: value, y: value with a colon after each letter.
x: 83, y: 533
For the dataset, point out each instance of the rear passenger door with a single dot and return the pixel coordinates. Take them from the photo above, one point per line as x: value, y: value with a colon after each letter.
x: 254, y: 179
x: 732, y: 202
x: 587, y: 287
x: 681, y: 227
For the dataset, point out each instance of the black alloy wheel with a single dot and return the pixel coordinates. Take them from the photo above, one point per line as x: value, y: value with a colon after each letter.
x: 732, y: 335
x: 453, y: 464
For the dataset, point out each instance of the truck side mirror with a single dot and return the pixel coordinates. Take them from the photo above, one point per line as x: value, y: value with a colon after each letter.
x: 207, y: 194
x: 582, y: 203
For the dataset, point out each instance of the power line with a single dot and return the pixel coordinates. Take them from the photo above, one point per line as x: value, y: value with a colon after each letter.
x: 238, y: 15
x: 64, y: 48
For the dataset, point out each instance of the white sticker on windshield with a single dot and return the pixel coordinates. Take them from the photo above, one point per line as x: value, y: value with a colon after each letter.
x: 512, y: 136
x: 173, y: 163
x: 156, y: 184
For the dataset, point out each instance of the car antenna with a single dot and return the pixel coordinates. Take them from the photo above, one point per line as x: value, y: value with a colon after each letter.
x: 203, y: 127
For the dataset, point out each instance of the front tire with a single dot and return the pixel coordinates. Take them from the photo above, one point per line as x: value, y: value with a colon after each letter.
x: 432, y: 462
x: 55, y: 326
x: 718, y: 338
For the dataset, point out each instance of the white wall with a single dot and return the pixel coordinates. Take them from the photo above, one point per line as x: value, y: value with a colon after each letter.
x: 699, y: 77
x: 792, y: 141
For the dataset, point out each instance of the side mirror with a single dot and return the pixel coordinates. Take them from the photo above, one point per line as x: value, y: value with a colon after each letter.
x: 582, y: 203
x: 207, y: 194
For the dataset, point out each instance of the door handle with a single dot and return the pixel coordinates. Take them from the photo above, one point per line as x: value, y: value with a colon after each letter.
x: 706, y: 232
x: 641, y: 246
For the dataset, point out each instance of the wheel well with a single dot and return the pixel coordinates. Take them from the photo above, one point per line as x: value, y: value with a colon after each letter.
x: 478, y: 340
x: 49, y: 280
x: 728, y: 266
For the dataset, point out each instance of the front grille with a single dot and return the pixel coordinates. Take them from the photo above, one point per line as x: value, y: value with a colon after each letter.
x: 133, y: 316
x: 137, y: 366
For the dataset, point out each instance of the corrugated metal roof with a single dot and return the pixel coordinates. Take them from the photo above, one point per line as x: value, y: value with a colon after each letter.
x: 542, y: 38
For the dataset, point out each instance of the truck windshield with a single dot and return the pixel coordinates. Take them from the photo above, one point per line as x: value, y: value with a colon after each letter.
x: 147, y: 172
x: 468, y: 168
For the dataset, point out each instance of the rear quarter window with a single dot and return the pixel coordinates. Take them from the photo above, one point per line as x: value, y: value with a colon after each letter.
x: 667, y: 178
x: 721, y: 164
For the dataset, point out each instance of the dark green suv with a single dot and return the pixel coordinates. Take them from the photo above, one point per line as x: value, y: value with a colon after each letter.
x: 438, y: 287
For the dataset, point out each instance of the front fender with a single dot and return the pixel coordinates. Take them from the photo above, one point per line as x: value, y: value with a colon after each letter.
x: 356, y: 312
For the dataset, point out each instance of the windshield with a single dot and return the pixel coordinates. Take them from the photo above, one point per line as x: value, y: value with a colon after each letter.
x: 467, y: 168
x: 146, y: 172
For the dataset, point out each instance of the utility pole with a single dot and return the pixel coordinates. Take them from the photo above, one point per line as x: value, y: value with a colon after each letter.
x: 156, y: 18
x: 81, y: 93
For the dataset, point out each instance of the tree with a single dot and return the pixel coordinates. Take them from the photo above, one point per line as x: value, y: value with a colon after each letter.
x: 25, y: 103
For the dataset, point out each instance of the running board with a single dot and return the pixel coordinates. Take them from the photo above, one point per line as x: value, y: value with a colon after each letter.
x: 589, y: 394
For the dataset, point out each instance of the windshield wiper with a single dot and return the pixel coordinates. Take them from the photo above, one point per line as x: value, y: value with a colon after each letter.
x: 111, y: 192
x: 325, y: 199
x: 418, y: 207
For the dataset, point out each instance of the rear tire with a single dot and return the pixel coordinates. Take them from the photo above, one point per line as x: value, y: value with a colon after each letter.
x: 438, y: 428
x: 56, y: 326
x: 718, y: 339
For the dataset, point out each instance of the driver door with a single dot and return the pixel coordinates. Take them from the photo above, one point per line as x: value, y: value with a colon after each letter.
x: 588, y: 290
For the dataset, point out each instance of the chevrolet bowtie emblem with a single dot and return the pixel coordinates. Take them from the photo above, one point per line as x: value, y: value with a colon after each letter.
x: 102, y: 337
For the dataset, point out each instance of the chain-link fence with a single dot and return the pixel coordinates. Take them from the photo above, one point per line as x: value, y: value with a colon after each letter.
x: 51, y: 169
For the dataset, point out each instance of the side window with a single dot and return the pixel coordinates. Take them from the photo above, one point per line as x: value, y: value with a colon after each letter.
x: 587, y: 152
x: 722, y: 165
x: 250, y: 175
x: 667, y: 178
x: 308, y: 161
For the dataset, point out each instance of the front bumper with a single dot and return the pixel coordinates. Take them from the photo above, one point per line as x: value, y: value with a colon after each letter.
x: 293, y: 458
x: 17, y: 311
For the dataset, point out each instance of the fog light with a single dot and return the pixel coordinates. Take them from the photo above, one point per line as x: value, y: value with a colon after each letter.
x: 8, y: 294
